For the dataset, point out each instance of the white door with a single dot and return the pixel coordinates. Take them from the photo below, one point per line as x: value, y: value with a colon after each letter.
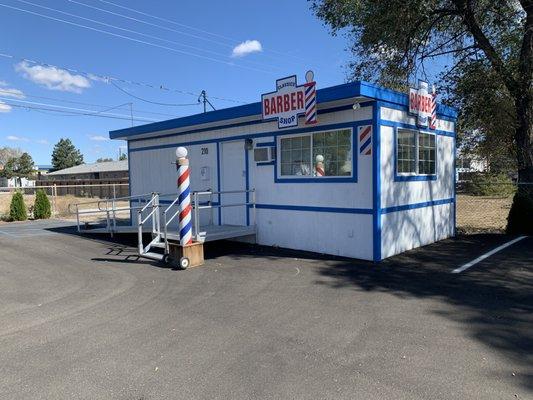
x: 233, y: 177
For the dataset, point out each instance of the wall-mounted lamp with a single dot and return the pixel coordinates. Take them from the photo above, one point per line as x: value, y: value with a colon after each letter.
x: 248, y: 144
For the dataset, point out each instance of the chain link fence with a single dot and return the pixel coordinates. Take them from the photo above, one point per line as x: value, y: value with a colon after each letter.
x: 483, y: 206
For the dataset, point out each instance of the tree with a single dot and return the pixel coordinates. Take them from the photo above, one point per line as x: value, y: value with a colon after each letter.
x: 6, y: 153
x: 392, y: 39
x: 19, y: 167
x: 65, y: 155
x: 17, y: 209
x: 123, y: 157
x: 41, y: 207
x: 104, y: 160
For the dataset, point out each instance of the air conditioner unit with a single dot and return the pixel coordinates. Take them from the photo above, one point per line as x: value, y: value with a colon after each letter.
x: 264, y: 154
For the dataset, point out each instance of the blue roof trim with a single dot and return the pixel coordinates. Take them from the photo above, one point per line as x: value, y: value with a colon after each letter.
x: 333, y: 93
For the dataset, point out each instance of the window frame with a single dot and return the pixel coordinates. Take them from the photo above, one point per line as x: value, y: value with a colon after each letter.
x: 310, y: 178
x: 414, y: 176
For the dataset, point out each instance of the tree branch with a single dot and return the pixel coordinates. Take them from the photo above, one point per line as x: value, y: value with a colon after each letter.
x: 469, y: 19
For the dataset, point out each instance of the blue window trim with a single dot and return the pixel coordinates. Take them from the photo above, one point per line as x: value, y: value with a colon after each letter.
x: 414, y: 177
x: 265, y: 144
x: 341, y: 179
x: 265, y: 163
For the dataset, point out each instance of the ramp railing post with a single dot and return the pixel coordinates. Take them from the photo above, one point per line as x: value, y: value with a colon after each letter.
x: 253, y: 205
x: 54, y: 199
x: 196, y: 216
x: 78, y: 216
x: 153, y: 210
x: 140, y: 232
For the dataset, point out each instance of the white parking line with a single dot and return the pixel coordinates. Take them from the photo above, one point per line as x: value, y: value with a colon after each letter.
x: 487, y: 255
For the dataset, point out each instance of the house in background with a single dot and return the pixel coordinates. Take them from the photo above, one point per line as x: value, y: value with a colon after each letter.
x: 40, y: 172
x: 101, y: 179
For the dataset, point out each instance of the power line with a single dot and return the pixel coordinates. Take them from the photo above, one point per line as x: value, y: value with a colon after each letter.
x: 133, y: 39
x: 71, y: 110
x: 132, y: 31
x: 233, y: 40
x: 153, y: 102
x: 6, y: 92
x: 107, y: 79
x: 168, y: 20
x: 149, y: 23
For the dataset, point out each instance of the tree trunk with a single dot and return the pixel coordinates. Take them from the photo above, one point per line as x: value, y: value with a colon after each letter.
x: 524, y: 137
x: 520, y: 220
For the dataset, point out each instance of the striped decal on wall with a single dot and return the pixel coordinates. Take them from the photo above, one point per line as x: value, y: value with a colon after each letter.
x: 365, y: 140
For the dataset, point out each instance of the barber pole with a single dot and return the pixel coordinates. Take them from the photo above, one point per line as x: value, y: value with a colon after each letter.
x: 184, y: 199
x: 433, y: 117
x: 310, y: 99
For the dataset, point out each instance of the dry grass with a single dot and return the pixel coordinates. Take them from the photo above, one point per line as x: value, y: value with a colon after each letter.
x: 62, y: 207
x: 482, y: 213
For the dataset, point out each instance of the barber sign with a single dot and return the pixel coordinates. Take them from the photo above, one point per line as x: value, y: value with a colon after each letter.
x: 423, y: 104
x: 290, y: 100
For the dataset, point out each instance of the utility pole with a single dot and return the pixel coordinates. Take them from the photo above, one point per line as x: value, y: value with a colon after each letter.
x: 203, y: 98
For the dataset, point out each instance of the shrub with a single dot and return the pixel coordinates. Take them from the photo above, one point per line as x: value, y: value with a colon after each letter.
x: 41, y: 208
x: 490, y: 185
x: 520, y: 219
x: 17, y: 209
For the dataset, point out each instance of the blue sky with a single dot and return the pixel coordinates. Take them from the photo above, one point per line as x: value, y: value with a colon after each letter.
x: 197, y: 48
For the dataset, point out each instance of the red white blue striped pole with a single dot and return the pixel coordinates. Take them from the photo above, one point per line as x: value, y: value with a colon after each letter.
x: 433, y: 117
x: 310, y: 99
x: 184, y: 197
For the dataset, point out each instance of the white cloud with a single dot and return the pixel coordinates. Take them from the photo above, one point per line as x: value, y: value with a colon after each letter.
x: 98, y: 138
x: 5, y: 108
x: 42, y: 141
x: 247, y: 47
x: 53, y: 78
x: 6, y: 91
x: 14, y: 138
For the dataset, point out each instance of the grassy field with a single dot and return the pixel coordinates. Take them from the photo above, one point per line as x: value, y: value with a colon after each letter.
x: 482, y: 213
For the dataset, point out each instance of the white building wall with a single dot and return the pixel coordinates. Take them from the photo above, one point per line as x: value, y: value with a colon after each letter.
x: 409, y: 228
x: 344, y: 233
x: 405, y: 230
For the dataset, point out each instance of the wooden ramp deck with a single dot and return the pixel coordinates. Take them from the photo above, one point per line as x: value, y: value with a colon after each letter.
x: 210, y: 233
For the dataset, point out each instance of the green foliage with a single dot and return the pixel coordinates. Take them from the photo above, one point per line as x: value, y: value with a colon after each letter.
x: 17, y: 209
x: 490, y: 185
x: 65, y: 155
x: 106, y: 159
x: 41, y: 208
x: 123, y: 157
x: 520, y: 220
x: 19, y: 167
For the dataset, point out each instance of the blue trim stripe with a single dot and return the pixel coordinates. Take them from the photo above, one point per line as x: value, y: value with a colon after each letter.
x: 335, y: 210
x: 376, y: 183
x: 219, y: 210
x: 405, y: 207
x: 333, y: 93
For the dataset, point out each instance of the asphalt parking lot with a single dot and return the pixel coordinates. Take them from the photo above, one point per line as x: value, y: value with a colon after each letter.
x: 84, y: 318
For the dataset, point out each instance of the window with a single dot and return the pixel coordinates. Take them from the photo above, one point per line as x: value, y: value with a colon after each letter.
x: 321, y: 154
x: 416, y: 153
